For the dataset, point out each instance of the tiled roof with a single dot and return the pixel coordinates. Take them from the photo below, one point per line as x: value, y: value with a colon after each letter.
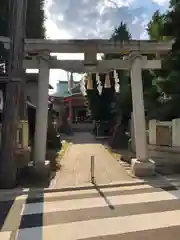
x: 62, y: 89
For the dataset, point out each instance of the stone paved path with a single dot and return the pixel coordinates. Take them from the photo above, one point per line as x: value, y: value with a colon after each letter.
x: 128, y: 210
x: 132, y: 211
x: 76, y: 163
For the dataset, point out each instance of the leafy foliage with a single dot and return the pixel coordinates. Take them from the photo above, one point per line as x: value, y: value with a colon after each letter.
x: 155, y: 27
x: 167, y: 79
x: 100, y: 105
x: 108, y: 105
x: 121, y: 33
x: 35, y: 19
x: 34, y: 26
x: 123, y: 100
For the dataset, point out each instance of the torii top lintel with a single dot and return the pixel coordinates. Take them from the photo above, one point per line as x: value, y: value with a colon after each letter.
x: 98, y: 45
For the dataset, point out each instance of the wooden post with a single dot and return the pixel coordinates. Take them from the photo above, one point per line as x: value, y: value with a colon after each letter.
x: 8, y: 164
x: 92, y: 170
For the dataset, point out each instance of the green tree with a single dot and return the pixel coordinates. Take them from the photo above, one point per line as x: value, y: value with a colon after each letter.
x: 121, y: 33
x: 155, y: 27
x: 101, y: 105
x: 154, y: 92
x: 167, y: 79
x: 123, y: 100
x: 170, y: 84
x: 34, y: 26
x: 35, y: 19
x: 173, y: 20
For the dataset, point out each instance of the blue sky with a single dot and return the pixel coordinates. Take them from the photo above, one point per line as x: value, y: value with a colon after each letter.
x: 67, y: 19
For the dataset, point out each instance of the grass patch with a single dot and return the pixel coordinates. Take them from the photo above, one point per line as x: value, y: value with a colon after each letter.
x: 123, y: 154
x: 60, y: 154
x: 114, y: 153
x: 55, y: 156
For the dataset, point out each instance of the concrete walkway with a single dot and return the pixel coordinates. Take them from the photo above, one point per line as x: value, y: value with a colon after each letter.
x: 76, y: 163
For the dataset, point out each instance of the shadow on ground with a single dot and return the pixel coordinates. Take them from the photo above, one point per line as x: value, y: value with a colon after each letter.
x: 13, y: 208
x: 11, y: 215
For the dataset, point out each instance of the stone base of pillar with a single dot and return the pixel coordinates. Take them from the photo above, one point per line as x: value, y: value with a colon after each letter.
x: 142, y: 168
x: 42, y: 170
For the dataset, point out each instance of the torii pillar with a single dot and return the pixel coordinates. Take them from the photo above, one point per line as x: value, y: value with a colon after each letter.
x: 40, y: 138
x: 141, y: 165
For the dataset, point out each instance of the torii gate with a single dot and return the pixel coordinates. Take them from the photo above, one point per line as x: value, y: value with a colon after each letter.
x: 40, y: 50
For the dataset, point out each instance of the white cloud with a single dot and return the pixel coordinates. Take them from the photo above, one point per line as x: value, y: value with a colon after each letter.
x: 161, y: 2
x: 96, y: 18
x: 53, y: 32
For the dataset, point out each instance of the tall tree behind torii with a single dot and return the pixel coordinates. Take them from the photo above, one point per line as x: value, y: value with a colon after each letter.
x: 34, y: 27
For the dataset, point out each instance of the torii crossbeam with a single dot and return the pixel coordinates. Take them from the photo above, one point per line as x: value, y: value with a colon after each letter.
x: 135, y: 49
